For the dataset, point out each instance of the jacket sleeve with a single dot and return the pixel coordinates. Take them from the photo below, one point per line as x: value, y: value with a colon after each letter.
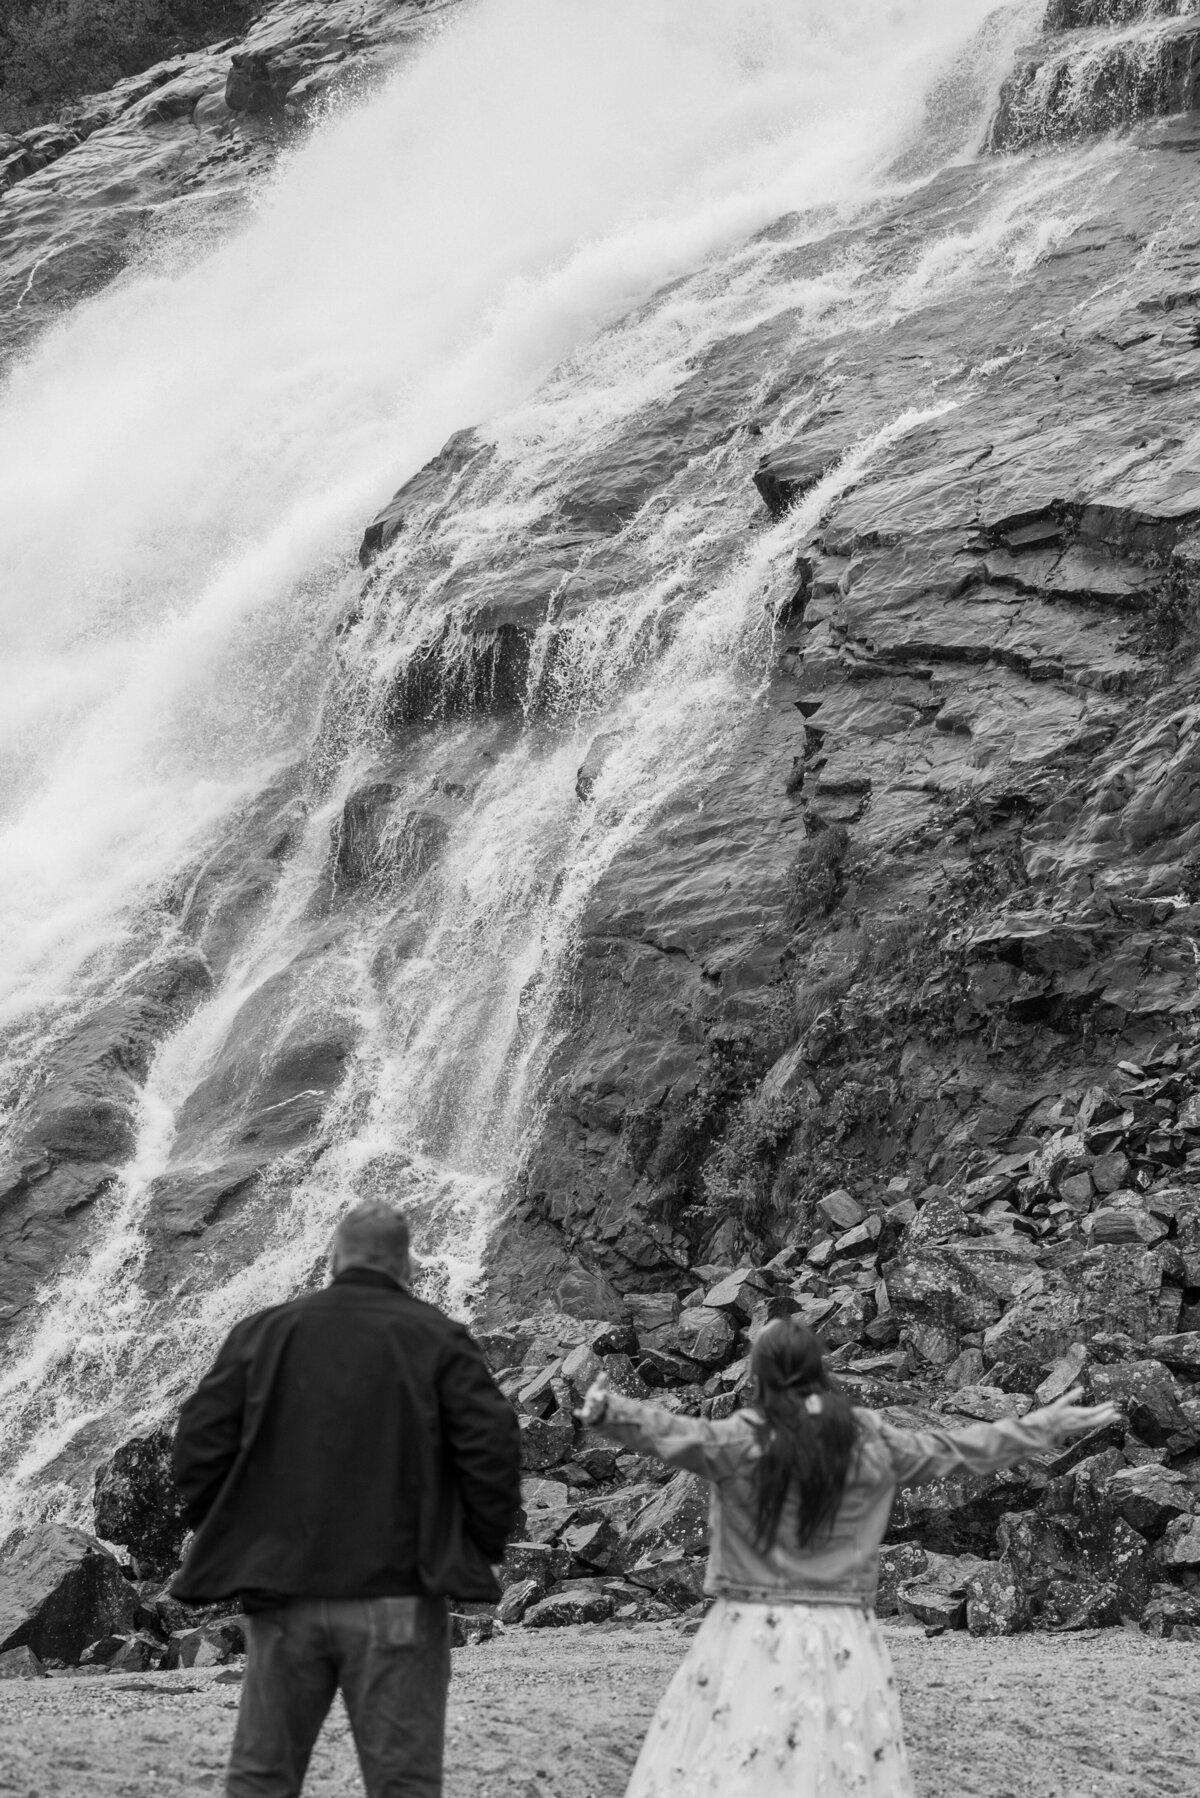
x: 713, y: 1450
x: 919, y: 1456
x: 210, y: 1431
x: 480, y: 1429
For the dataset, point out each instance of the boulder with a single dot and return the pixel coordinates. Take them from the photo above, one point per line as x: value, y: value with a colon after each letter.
x: 1149, y: 1498
x: 468, y: 1629
x: 705, y: 1335
x: 595, y: 1542
x: 988, y: 1403
x: 1181, y: 1353
x: 678, y: 1580
x: 1107, y: 1289
x: 654, y: 1314
x: 547, y: 1505
x: 1179, y: 1549
x: 545, y: 1441
x: 20, y: 1663
x: 537, y: 1561
x: 1070, y: 1604
x: 996, y: 1604
x: 517, y: 1599
x: 137, y: 1654
x: 1172, y: 1615
x: 138, y: 1505
x: 567, y: 1607
x: 60, y: 1590
x: 1146, y: 1392
x: 841, y: 1210
x: 898, y: 1563
x: 211, y: 1645
x: 581, y: 1367
x: 675, y: 1522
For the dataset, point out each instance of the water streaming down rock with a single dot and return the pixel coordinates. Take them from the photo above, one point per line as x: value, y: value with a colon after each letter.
x: 328, y: 844
x: 1108, y: 64
x: 384, y: 912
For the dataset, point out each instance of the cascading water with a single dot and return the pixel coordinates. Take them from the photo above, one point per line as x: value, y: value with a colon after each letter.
x: 188, y: 463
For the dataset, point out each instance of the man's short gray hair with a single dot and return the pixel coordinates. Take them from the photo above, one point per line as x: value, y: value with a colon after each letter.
x: 373, y: 1235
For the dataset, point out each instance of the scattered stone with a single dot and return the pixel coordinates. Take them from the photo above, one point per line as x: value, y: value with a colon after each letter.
x: 564, y: 1608
x: 468, y: 1629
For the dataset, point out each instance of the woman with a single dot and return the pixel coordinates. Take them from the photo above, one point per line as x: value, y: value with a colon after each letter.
x: 788, y: 1687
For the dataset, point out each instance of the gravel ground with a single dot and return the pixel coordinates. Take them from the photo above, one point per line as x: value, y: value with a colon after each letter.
x: 560, y: 1715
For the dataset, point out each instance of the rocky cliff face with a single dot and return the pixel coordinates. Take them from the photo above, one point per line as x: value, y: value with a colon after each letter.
x: 757, y: 831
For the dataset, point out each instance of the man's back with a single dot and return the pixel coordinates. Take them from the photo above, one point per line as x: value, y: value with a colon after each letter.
x: 351, y: 1444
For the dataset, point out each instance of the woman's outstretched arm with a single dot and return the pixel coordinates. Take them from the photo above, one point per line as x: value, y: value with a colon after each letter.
x: 919, y: 1456
x: 712, y: 1450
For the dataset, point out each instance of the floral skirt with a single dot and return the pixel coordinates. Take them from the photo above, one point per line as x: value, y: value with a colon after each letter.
x: 780, y: 1699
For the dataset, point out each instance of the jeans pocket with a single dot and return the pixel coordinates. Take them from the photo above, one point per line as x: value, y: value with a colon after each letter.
x: 394, y: 1622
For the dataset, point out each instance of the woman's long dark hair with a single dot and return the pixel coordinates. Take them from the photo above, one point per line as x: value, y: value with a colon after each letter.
x: 807, y: 1446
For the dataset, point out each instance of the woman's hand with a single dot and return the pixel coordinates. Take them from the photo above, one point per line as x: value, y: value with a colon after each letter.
x: 595, y: 1402
x: 1066, y: 1417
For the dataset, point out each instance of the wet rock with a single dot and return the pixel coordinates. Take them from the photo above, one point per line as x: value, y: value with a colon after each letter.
x: 137, y: 1504
x: 59, y: 1591
x: 80, y: 1123
x: 564, y: 1608
x: 258, y: 85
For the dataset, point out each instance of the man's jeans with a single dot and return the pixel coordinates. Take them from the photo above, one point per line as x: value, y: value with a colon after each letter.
x: 391, y: 1659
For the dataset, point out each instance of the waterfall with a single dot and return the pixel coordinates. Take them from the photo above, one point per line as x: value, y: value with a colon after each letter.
x: 539, y: 229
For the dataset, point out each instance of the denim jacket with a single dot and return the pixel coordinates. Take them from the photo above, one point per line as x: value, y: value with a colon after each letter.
x: 842, y: 1567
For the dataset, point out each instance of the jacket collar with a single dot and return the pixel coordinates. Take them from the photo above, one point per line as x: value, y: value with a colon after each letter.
x: 367, y: 1276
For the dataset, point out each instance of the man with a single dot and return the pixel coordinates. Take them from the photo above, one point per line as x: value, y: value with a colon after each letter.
x: 347, y: 1464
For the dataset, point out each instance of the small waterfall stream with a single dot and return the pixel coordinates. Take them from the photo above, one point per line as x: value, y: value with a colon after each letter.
x: 218, y: 436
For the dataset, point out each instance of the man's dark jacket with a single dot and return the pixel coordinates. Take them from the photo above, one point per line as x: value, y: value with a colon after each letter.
x: 351, y: 1444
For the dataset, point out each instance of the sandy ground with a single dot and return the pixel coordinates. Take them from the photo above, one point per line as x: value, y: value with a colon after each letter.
x: 560, y: 1715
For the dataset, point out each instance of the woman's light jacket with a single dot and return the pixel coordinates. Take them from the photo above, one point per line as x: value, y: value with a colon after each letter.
x: 843, y: 1566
